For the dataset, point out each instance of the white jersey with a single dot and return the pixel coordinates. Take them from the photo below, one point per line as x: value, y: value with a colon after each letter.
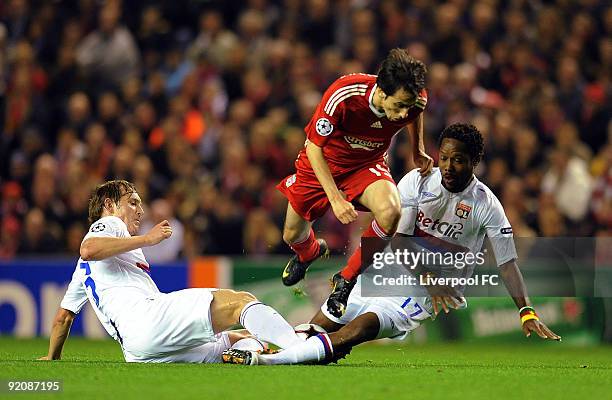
x: 112, y: 285
x: 454, y: 221
x: 151, y: 326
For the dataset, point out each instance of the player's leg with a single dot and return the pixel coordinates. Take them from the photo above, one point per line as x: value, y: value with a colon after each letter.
x: 324, y: 322
x: 322, y: 347
x: 229, y: 308
x: 210, y: 352
x: 298, y: 235
x: 360, y: 330
x: 381, y: 197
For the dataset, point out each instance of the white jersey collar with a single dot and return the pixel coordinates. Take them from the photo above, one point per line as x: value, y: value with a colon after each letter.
x: 374, y: 110
x: 448, y: 193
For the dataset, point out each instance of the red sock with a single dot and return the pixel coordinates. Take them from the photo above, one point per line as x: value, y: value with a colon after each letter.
x: 307, y: 249
x: 353, y: 266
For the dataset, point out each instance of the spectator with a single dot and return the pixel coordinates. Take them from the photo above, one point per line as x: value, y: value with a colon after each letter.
x: 37, y: 236
x: 261, y: 236
x: 204, y: 106
x: 170, y: 249
x: 109, y: 55
x: 569, y: 182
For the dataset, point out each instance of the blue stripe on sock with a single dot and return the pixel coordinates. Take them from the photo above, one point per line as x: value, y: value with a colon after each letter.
x: 328, y: 350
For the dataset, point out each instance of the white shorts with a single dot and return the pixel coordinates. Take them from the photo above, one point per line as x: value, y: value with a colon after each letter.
x: 176, y: 324
x: 397, y: 315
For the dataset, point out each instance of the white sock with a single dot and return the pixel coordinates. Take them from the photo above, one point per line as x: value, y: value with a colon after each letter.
x: 314, y: 349
x: 251, y: 344
x: 267, y: 325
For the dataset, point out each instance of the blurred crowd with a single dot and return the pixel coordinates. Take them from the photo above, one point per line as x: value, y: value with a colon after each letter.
x: 202, y: 105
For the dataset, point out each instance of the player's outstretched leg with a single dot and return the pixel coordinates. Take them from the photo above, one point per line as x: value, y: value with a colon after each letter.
x: 298, y: 234
x: 322, y: 348
x: 382, y: 198
x: 230, y: 308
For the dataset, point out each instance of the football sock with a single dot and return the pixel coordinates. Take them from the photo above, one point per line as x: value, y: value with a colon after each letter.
x: 314, y: 349
x: 353, y: 266
x: 267, y: 325
x: 306, y: 249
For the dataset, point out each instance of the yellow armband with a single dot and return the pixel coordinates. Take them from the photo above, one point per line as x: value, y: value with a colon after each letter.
x: 528, y: 313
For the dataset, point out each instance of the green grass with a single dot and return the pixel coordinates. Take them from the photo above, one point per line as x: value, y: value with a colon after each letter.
x: 532, y: 369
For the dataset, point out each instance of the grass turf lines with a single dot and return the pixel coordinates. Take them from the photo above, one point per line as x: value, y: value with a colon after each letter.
x: 95, y: 369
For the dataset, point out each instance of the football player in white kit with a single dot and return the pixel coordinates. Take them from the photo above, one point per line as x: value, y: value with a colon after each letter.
x: 183, y: 326
x: 449, y: 207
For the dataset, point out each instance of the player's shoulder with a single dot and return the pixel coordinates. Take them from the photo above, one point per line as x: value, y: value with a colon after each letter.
x: 354, y: 79
x: 108, y: 223
x: 484, y: 196
x: 348, y: 90
x: 412, y: 182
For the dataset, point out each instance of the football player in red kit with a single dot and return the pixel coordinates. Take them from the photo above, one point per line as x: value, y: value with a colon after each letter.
x: 342, y: 164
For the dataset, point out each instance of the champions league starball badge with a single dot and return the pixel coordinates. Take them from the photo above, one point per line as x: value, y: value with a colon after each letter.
x: 324, y: 127
x: 99, y: 227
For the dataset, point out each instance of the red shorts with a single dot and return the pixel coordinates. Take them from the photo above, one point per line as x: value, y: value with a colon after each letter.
x: 308, y: 199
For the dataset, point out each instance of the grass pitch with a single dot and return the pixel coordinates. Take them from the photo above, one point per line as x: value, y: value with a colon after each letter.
x: 532, y: 369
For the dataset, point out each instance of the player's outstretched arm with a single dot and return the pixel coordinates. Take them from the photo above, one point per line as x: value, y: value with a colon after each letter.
x: 513, y: 279
x: 421, y: 159
x: 343, y: 210
x: 99, y: 248
x: 59, y: 333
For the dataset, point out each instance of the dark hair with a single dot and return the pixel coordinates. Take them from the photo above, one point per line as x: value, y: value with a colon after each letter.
x: 113, y: 190
x: 401, y: 70
x: 467, y: 134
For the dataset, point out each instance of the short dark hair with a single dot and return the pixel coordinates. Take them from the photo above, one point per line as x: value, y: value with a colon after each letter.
x: 467, y: 134
x: 113, y: 190
x: 401, y: 71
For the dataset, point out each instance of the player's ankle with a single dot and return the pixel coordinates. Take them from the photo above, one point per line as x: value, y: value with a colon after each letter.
x: 348, y: 274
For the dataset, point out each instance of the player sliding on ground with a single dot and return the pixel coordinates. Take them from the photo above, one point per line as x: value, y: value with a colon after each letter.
x: 450, y: 195
x: 183, y: 326
x: 343, y: 166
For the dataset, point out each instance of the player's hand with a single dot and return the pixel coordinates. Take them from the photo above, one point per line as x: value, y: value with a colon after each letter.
x: 159, y: 232
x: 344, y: 211
x: 537, y: 326
x: 424, y: 162
x: 446, y: 297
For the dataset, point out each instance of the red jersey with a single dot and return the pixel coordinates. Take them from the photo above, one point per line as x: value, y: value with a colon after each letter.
x: 347, y: 126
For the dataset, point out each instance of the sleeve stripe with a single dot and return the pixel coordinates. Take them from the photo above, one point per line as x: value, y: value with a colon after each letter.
x: 346, y: 96
x: 337, y: 96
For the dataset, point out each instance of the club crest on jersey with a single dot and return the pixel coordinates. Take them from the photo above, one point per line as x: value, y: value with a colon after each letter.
x: 99, y: 227
x: 376, y: 124
x: 463, y: 210
x: 324, y: 127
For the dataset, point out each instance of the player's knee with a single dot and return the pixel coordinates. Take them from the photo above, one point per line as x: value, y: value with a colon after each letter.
x: 241, y: 301
x: 291, y: 236
x: 244, y: 298
x: 388, y: 216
